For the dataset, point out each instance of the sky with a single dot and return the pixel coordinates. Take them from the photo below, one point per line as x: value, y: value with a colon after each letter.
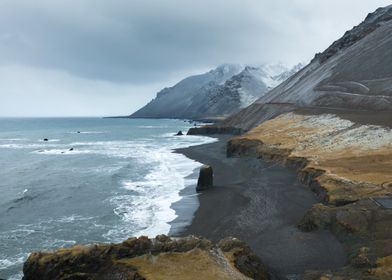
x: 110, y: 57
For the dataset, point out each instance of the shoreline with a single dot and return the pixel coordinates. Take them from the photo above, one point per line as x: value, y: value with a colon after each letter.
x: 262, y: 209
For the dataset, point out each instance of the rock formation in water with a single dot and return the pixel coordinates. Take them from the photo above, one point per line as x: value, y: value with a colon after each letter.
x: 215, y: 94
x: 143, y: 258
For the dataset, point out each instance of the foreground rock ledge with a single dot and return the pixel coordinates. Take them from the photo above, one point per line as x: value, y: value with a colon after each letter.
x: 143, y: 258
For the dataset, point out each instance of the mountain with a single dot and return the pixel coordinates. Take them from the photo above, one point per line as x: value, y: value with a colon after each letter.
x: 354, y: 73
x: 217, y: 93
x: 332, y: 122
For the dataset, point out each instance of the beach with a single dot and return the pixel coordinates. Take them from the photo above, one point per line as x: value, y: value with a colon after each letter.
x: 260, y: 203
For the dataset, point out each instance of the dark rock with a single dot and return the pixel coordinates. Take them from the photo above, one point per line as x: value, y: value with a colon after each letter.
x: 46, y: 139
x: 78, y: 132
x: 211, y: 129
x: 179, y: 133
x: 71, y: 149
x: 205, y: 180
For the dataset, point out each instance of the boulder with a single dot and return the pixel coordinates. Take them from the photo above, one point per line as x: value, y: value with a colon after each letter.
x: 46, y: 139
x: 205, y: 180
x: 179, y: 133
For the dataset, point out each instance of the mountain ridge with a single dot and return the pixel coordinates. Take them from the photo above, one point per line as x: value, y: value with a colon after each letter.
x: 217, y: 93
x: 354, y: 73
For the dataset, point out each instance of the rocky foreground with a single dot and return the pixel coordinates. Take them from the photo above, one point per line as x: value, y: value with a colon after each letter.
x: 143, y: 258
x: 348, y: 166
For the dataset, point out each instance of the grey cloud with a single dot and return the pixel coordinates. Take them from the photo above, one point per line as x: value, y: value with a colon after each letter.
x: 142, y: 41
x: 135, y: 44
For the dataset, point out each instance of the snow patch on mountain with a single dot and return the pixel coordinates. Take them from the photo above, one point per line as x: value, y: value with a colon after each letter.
x: 217, y: 93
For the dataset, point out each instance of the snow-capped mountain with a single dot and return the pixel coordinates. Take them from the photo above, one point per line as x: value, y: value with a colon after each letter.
x: 217, y: 93
x: 253, y: 82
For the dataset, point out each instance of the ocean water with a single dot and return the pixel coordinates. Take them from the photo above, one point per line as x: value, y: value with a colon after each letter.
x: 119, y: 180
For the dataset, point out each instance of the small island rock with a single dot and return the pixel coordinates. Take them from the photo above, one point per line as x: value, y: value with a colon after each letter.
x: 179, y: 133
x: 205, y: 180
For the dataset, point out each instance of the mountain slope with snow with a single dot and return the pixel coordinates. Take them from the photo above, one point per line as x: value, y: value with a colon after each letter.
x: 354, y: 73
x: 217, y: 93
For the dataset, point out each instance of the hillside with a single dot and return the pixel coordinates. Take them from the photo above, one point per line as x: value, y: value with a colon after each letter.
x: 354, y: 73
x: 217, y: 93
x: 332, y: 123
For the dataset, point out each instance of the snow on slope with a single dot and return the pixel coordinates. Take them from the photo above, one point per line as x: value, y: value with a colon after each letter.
x: 219, y: 92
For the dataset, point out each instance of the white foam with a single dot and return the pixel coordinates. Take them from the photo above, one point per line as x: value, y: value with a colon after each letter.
x: 152, y: 126
x: 16, y: 260
x: 18, y: 276
x: 147, y: 209
x: 42, y: 145
x: 13, y: 139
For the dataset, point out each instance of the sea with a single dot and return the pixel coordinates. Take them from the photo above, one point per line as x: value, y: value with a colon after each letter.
x: 93, y: 180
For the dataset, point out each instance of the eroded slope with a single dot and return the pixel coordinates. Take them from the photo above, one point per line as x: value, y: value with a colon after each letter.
x: 345, y: 161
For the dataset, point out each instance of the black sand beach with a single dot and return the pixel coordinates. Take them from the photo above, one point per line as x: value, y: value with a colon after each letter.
x: 260, y: 203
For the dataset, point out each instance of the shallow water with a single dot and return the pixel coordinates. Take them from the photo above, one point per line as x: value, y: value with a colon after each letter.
x: 119, y: 180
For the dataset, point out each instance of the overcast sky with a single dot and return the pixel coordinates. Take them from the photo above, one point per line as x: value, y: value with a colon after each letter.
x: 99, y: 58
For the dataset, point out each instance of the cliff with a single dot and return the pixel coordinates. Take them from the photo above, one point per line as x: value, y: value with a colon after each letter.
x: 347, y: 165
x: 144, y: 258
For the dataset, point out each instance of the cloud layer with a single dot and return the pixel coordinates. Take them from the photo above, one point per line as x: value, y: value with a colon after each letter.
x: 125, y: 50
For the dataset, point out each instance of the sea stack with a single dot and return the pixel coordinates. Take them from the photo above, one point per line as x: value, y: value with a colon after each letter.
x: 205, y: 180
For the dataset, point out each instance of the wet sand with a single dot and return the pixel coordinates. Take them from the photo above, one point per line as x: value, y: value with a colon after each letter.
x: 260, y: 203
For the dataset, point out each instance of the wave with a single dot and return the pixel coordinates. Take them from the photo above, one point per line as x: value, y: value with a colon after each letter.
x: 13, y: 139
x: 29, y: 145
x: 152, y: 126
x: 16, y: 276
x: 146, y: 210
x: 87, y: 132
x: 13, y: 261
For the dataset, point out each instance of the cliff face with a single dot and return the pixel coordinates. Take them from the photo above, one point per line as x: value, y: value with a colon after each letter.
x: 142, y: 258
x: 354, y: 73
x: 348, y: 166
x: 343, y: 160
x: 218, y: 93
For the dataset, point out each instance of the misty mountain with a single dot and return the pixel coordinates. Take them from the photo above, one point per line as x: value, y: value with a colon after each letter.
x: 217, y: 93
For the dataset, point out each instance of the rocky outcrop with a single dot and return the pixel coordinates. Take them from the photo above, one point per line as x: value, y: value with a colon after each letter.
x: 340, y: 160
x: 371, y: 23
x: 211, y: 129
x: 144, y: 258
x: 347, y: 165
x: 206, y: 178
